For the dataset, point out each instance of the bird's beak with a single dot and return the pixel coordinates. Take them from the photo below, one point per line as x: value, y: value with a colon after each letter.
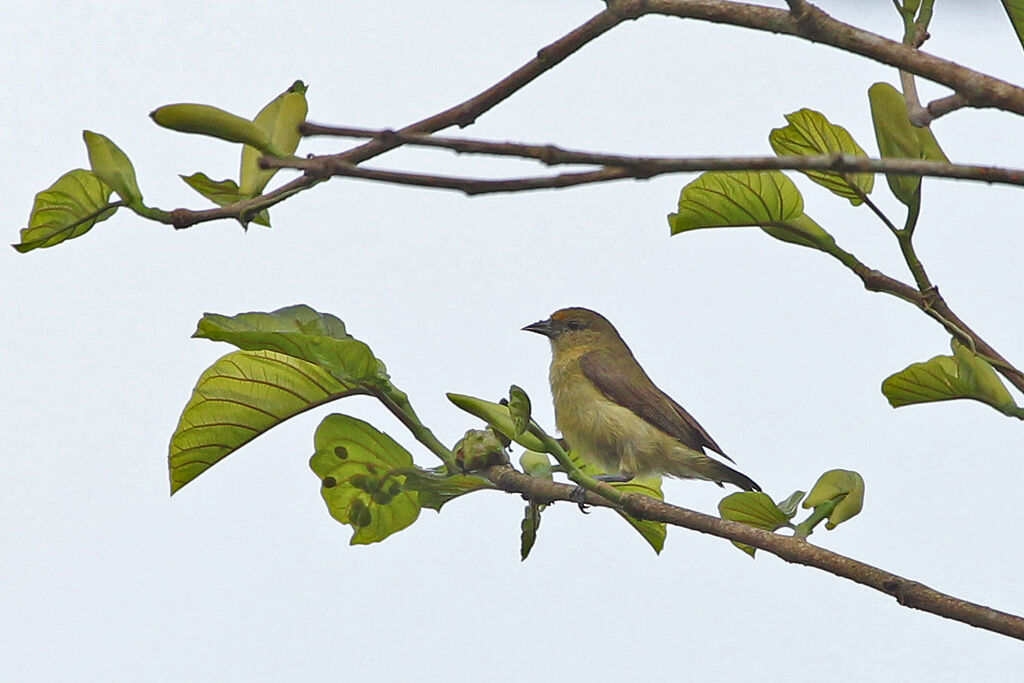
x: 545, y: 327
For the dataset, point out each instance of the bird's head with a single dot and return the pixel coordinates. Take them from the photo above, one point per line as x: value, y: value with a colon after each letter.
x: 571, y: 328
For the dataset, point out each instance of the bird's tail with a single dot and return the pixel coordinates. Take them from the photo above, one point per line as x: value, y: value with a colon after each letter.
x: 703, y: 467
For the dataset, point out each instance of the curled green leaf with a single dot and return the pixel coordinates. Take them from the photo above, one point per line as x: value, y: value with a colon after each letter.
x: 497, y: 416
x: 843, y: 488
x: 899, y: 138
x: 202, y: 119
x: 112, y: 166
x: 518, y: 409
x: 280, y: 119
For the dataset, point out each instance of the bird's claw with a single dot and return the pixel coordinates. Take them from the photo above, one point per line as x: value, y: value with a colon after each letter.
x: 579, y: 496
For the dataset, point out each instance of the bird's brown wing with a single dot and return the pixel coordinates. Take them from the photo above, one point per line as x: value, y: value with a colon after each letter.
x: 634, y: 390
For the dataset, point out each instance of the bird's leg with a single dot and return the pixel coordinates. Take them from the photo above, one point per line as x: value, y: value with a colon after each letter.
x: 579, y: 494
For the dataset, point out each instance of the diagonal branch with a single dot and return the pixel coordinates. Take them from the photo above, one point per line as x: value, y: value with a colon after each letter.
x: 907, y: 592
x: 978, y: 89
x: 462, y: 114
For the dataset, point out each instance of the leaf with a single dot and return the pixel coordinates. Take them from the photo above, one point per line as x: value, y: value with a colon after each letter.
x: 767, y: 199
x: 221, y: 193
x: 843, y: 487
x: 498, y: 417
x: 529, y: 527
x: 809, y: 133
x: 302, y: 332
x: 1015, y: 11
x: 789, y: 505
x: 653, y: 532
x: 203, y: 119
x: 67, y: 209
x: 755, y: 509
x: 241, y: 396
x: 943, y: 378
x: 112, y: 166
x: 280, y: 119
x: 360, y: 471
x: 900, y: 139
x: 435, y: 487
x: 518, y: 409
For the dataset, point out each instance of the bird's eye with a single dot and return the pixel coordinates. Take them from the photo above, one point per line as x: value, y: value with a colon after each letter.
x: 574, y: 324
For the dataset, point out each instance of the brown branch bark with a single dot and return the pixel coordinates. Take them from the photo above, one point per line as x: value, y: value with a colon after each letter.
x: 462, y: 114
x: 978, y: 89
x: 907, y: 592
x: 637, y: 167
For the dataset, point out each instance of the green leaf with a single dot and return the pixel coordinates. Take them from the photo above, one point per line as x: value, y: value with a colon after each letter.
x: 241, y: 396
x: 519, y: 409
x: 362, y: 478
x: 1015, y: 11
x: 767, y: 199
x: 202, y: 119
x: 844, y: 488
x: 755, y: 509
x: 898, y: 138
x: 809, y: 133
x: 302, y: 332
x: 67, y: 209
x: 789, y: 505
x: 113, y: 167
x: 436, y: 487
x: 498, y: 417
x: 221, y: 193
x: 653, y: 532
x: 943, y: 378
x: 280, y: 119
x: 529, y: 527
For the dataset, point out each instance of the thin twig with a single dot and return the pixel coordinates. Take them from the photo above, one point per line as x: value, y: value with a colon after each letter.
x: 907, y: 592
x: 639, y: 167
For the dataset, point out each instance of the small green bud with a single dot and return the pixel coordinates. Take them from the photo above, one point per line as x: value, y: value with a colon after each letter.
x: 535, y: 464
x: 479, y: 449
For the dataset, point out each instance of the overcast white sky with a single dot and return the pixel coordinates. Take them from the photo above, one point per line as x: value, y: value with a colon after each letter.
x: 779, y: 352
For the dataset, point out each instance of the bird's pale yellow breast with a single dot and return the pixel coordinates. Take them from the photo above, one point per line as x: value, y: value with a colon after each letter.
x: 599, y: 429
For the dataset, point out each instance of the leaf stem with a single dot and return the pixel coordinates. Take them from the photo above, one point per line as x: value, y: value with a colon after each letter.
x: 397, y: 402
x: 821, y: 512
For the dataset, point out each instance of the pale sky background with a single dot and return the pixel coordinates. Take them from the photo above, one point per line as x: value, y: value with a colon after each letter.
x: 777, y: 350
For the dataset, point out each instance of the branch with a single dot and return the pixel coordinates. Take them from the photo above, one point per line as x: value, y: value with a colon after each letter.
x: 637, y: 167
x: 462, y: 114
x: 977, y: 89
x: 907, y: 592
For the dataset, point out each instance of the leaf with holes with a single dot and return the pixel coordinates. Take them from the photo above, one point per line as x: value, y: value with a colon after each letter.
x: 67, y: 209
x: 241, y: 396
x: 361, y: 472
x: 809, y: 133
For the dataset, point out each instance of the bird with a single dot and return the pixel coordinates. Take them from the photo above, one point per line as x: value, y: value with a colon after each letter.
x: 612, y: 415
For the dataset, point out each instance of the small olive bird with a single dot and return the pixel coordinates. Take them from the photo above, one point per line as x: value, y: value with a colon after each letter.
x: 612, y: 414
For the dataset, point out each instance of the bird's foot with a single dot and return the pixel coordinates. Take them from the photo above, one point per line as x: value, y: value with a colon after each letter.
x: 579, y: 496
